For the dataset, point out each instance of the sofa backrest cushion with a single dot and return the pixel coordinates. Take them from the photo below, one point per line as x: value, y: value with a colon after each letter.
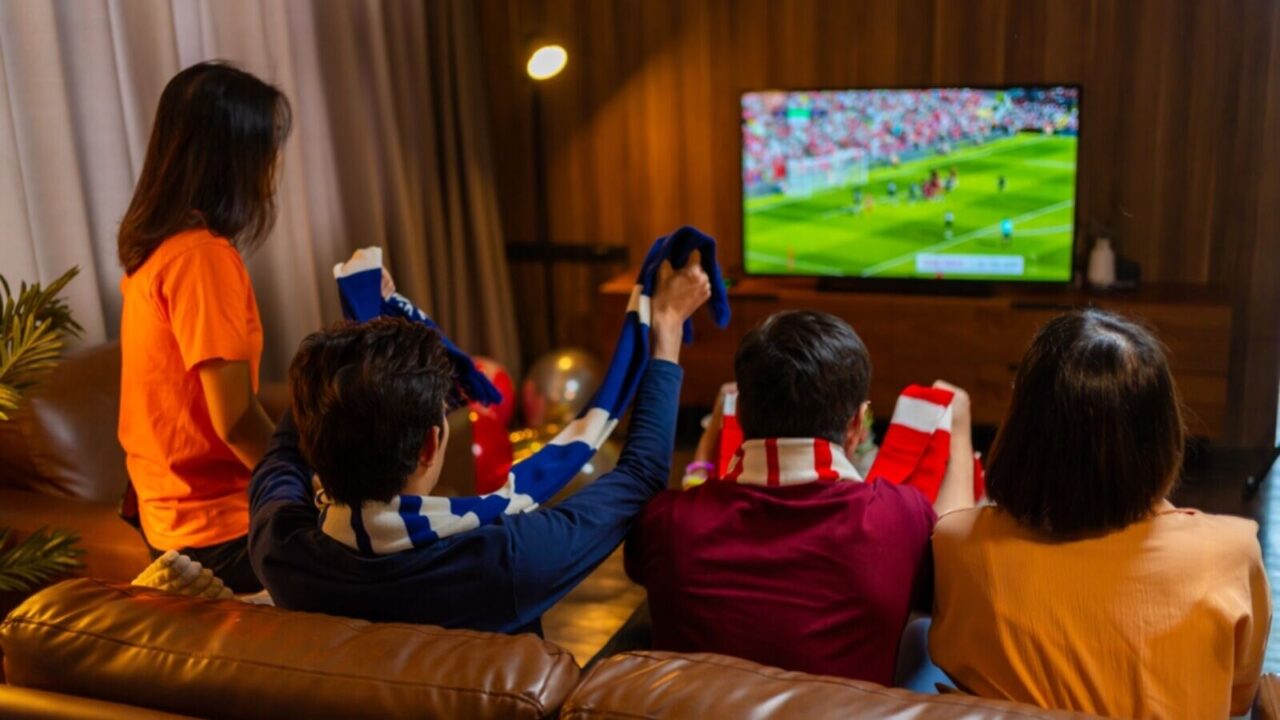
x: 228, y: 659
x: 62, y: 440
x: 670, y: 685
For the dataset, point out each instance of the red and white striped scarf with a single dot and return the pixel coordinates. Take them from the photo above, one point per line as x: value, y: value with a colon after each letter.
x: 914, y: 452
x: 790, y: 461
x: 917, y: 445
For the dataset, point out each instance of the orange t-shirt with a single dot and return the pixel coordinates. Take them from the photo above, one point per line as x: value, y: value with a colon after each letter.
x: 1168, y: 617
x: 190, y: 302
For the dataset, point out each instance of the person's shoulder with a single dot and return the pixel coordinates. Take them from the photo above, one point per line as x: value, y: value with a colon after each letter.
x: 894, y: 494
x: 663, y: 504
x: 1227, y: 537
x: 198, y: 245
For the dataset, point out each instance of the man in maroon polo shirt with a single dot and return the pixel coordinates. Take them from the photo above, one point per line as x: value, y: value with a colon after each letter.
x: 791, y: 560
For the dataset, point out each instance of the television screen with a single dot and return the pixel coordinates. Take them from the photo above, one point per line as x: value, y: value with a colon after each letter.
x: 936, y: 183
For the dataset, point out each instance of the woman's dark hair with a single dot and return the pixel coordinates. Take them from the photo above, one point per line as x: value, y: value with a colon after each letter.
x: 210, y: 162
x: 364, y: 397
x: 1094, y: 435
x: 800, y: 374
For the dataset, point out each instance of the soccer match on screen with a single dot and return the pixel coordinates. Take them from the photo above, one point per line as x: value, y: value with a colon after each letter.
x: 942, y: 183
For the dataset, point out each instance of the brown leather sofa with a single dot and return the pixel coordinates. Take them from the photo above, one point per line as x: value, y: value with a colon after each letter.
x: 89, y: 649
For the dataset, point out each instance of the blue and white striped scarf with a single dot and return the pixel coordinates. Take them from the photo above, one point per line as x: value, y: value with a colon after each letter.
x: 413, y: 521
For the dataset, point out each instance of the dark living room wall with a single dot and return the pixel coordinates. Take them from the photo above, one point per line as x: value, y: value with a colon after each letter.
x: 1180, y: 151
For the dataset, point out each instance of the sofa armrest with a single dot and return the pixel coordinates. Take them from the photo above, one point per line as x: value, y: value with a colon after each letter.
x: 26, y: 704
x: 1267, y: 705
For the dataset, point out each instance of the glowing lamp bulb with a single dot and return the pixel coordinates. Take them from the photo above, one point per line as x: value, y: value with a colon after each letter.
x: 547, y: 62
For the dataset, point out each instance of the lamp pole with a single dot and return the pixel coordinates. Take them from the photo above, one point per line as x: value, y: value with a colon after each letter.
x: 541, y: 219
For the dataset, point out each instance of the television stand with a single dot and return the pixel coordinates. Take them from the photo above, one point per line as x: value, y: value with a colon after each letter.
x: 905, y: 287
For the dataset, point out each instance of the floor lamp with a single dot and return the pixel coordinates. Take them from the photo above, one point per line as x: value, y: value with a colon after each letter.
x: 545, y: 61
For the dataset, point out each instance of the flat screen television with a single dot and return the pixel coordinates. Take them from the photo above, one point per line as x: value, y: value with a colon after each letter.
x: 943, y: 184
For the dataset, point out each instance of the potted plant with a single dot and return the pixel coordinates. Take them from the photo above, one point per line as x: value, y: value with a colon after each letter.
x: 34, y: 327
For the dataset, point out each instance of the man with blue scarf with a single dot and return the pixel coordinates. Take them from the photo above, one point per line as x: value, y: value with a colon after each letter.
x: 368, y: 425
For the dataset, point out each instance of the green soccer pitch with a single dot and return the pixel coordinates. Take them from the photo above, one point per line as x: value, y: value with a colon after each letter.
x: 822, y: 234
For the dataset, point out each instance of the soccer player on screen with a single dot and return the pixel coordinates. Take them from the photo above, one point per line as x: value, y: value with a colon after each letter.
x: 1006, y: 230
x: 1000, y: 183
x: 892, y: 190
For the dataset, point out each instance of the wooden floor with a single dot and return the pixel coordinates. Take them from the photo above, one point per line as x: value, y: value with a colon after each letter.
x: 587, y: 617
x: 1214, y: 481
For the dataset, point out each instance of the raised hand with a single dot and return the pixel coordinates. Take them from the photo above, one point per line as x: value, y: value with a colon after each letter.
x: 678, y: 294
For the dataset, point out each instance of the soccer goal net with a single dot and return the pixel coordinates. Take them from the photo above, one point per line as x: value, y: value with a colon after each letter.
x: 806, y: 176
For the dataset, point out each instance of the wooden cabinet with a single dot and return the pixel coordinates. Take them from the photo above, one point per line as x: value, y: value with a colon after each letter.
x: 974, y: 342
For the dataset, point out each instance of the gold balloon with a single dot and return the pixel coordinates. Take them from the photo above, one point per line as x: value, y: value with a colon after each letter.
x: 558, y: 386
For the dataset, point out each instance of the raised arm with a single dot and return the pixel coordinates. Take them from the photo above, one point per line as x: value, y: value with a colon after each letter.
x: 559, y: 546
x: 956, y: 491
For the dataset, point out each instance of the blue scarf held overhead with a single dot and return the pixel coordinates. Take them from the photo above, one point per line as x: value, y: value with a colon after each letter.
x: 412, y: 521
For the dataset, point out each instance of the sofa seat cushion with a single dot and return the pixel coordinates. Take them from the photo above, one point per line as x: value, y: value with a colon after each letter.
x: 227, y: 659
x: 114, y: 550
x: 670, y: 685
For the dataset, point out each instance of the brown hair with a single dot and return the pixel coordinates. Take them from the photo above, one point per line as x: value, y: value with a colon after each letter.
x: 1094, y: 435
x: 800, y: 374
x: 364, y: 397
x: 210, y: 162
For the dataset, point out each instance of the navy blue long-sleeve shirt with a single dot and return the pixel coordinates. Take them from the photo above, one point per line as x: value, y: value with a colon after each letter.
x: 500, y: 577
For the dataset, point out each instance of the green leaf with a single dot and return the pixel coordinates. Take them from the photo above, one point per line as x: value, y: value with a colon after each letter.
x: 43, y: 555
x: 33, y: 327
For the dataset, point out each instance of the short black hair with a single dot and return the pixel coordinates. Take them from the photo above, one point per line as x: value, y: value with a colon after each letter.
x: 800, y: 373
x: 1094, y: 434
x: 364, y: 397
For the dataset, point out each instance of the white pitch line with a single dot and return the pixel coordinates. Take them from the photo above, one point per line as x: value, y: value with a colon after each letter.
x: 980, y: 232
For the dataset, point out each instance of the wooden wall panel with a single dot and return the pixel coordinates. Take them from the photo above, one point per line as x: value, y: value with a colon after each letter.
x: 1179, y: 153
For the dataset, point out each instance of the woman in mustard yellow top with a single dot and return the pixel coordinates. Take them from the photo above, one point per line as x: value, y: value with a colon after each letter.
x: 1083, y: 588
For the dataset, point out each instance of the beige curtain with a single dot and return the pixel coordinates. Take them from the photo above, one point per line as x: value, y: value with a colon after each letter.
x: 390, y: 147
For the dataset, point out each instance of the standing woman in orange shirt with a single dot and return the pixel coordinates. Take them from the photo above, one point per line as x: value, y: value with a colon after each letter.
x: 190, y: 337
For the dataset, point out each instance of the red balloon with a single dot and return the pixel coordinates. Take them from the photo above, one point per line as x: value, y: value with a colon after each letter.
x: 505, y: 410
x: 491, y: 448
